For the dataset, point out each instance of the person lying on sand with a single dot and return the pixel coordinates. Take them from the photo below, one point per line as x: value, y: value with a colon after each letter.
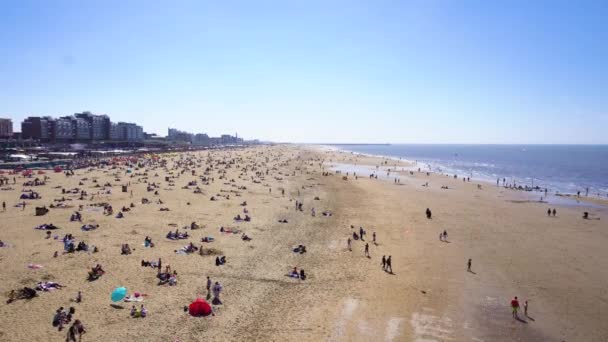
x: 24, y: 293
x: 300, y: 249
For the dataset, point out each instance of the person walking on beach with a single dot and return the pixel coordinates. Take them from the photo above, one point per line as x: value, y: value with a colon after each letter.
x: 367, y: 250
x: 515, y: 307
x: 348, y: 244
x: 445, y: 235
x: 549, y: 212
x: 3, y: 206
x: 217, y: 289
x: 361, y: 232
x: 374, y: 238
x: 384, y: 262
x: 554, y: 212
x: 389, y: 267
x: 23, y: 206
x: 526, y: 308
x: 469, y: 265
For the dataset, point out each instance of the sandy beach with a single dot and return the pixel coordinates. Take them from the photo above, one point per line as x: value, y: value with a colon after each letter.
x: 558, y: 263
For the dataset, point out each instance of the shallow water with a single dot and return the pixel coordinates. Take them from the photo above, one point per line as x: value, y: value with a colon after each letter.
x: 559, y: 168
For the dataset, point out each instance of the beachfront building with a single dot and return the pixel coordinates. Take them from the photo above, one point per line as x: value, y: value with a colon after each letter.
x: 37, y: 128
x: 215, y: 141
x: 114, y: 133
x: 227, y: 139
x: 99, y: 125
x: 81, y: 129
x: 201, y: 139
x: 6, y: 128
x: 130, y: 132
x: 62, y: 130
x: 177, y: 135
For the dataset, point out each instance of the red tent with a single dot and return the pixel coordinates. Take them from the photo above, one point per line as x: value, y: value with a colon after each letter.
x: 199, y: 308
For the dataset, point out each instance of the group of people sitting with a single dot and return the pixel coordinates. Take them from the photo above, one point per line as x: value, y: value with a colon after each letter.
x: 142, y: 312
x: 108, y: 210
x: 96, y: 272
x: 220, y: 260
x: 76, y: 216
x: 70, y: 247
x: 30, y: 195
x: 62, y: 317
x: 299, y: 275
x: 177, y: 235
x: 148, y: 242
x: 125, y: 249
x: 167, y: 277
x: 82, y: 247
x: 239, y: 218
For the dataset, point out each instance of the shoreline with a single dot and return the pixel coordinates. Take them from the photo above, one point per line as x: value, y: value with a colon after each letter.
x: 557, y: 198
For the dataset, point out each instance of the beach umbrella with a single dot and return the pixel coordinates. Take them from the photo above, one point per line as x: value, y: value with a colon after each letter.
x: 118, y: 294
x: 199, y: 308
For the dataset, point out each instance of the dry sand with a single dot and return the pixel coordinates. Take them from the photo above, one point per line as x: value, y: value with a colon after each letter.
x: 558, y: 263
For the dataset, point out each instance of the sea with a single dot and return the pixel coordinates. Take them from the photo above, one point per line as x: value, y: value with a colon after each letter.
x: 563, y: 169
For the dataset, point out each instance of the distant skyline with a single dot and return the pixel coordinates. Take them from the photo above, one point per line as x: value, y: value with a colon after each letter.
x: 424, y: 71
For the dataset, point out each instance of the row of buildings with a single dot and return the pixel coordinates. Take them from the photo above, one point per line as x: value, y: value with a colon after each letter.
x: 202, y: 139
x: 91, y: 128
x: 80, y: 127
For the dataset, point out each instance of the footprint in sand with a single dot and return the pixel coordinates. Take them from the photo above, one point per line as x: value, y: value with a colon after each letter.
x: 392, y: 329
x: 428, y: 327
x: 349, y: 307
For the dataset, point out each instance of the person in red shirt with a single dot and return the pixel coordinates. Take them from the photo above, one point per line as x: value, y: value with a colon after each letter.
x: 515, y: 306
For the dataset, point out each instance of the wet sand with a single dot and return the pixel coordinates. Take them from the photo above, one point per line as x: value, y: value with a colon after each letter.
x: 557, y: 263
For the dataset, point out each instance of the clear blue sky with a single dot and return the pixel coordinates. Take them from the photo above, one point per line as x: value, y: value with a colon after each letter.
x: 316, y: 71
